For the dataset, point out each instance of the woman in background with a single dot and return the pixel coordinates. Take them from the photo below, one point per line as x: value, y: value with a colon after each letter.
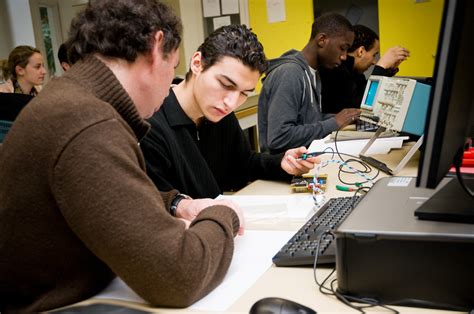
x: 24, y: 71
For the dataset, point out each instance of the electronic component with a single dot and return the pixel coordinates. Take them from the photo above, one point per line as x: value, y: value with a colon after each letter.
x: 305, y: 183
x: 395, y: 103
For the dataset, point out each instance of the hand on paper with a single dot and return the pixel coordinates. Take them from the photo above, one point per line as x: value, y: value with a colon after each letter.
x: 188, y: 210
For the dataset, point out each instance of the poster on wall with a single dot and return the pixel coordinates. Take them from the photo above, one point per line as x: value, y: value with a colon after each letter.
x: 230, y: 6
x: 276, y: 11
x: 211, y: 8
x: 221, y: 21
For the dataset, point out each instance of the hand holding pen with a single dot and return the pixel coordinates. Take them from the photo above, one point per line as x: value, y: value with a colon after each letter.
x: 294, y: 164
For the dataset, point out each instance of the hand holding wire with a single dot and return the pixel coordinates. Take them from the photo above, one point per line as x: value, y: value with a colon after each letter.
x: 293, y: 164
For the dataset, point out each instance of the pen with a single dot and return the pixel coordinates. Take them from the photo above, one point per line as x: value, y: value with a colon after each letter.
x: 344, y: 188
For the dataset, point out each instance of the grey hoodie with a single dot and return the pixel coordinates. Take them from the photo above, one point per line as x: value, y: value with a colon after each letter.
x: 289, y: 106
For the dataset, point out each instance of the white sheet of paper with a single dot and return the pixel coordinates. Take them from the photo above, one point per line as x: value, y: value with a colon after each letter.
x: 276, y: 11
x: 220, y: 21
x: 230, y: 6
x: 380, y: 146
x: 252, y: 257
x: 211, y: 8
x: 261, y: 207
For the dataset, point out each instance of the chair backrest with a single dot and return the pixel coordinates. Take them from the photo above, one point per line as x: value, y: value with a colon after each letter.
x: 10, y: 106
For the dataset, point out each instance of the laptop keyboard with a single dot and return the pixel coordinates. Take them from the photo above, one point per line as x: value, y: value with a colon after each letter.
x: 301, y: 249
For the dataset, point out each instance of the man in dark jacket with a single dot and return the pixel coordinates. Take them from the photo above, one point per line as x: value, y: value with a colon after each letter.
x: 289, y: 113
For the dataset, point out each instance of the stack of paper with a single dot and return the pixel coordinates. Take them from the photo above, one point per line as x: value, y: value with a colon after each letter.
x: 354, y: 147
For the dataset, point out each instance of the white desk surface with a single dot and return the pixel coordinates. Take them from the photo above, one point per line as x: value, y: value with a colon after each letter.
x: 297, y: 284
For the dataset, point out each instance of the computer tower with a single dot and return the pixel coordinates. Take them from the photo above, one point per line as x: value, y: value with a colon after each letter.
x: 385, y: 253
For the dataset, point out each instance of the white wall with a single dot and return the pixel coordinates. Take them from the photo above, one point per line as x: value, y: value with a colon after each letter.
x: 21, y: 26
x: 5, y: 36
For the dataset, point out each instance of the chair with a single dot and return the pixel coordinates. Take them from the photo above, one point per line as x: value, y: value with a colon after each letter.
x: 10, y: 106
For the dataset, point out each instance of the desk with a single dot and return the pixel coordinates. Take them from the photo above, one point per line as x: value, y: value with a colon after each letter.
x: 297, y: 284
x: 247, y: 116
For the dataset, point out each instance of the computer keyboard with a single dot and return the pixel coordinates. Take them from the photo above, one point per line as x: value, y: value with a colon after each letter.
x: 300, y: 250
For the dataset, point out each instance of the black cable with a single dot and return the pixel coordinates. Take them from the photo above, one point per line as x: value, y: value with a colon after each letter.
x: 332, y: 151
x: 337, y: 150
x: 321, y: 285
x: 463, y: 184
x: 369, y: 169
x: 353, y: 158
x: 346, y: 299
x: 457, y: 161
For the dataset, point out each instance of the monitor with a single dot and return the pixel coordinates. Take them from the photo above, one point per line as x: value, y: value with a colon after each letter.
x: 370, y: 92
x: 449, y: 120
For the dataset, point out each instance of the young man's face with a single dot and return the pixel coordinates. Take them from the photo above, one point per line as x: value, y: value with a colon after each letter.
x: 334, y: 50
x: 366, y: 58
x: 223, y: 87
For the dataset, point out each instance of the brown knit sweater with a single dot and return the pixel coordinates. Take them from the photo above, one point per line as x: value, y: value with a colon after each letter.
x: 76, y: 206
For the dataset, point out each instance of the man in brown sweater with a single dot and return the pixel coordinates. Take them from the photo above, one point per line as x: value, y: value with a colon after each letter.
x: 76, y: 206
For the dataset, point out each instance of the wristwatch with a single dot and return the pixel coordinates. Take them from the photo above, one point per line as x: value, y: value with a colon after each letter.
x: 174, y: 203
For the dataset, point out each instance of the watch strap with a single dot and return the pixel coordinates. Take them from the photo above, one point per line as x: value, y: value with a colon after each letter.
x: 174, y: 203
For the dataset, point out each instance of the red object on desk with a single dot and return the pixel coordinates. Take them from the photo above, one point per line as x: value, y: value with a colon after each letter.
x: 467, y: 165
x: 468, y: 158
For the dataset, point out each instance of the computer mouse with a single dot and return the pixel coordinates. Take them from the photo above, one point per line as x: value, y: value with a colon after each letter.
x: 279, y: 306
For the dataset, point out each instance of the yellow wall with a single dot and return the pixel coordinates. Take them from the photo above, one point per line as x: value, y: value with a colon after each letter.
x: 279, y: 37
x: 414, y: 26
x: 401, y: 22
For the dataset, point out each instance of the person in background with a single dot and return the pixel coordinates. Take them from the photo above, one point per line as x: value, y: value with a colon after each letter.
x: 289, y: 113
x: 63, y: 58
x: 76, y: 206
x: 23, y: 72
x: 344, y: 86
x: 196, y: 144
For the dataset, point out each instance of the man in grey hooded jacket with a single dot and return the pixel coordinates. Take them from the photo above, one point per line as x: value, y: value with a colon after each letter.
x: 289, y: 112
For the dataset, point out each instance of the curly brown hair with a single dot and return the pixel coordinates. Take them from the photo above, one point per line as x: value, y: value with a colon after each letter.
x: 236, y: 41
x: 122, y: 29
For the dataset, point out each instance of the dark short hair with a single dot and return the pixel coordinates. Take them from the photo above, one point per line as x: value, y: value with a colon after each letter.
x: 363, y: 37
x: 236, y: 41
x: 62, y: 54
x: 332, y: 24
x: 122, y: 29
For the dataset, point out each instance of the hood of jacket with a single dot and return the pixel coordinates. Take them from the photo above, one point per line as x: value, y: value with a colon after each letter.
x: 291, y: 56
x: 296, y: 57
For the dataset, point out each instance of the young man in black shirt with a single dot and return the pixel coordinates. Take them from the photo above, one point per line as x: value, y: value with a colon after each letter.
x: 196, y: 144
